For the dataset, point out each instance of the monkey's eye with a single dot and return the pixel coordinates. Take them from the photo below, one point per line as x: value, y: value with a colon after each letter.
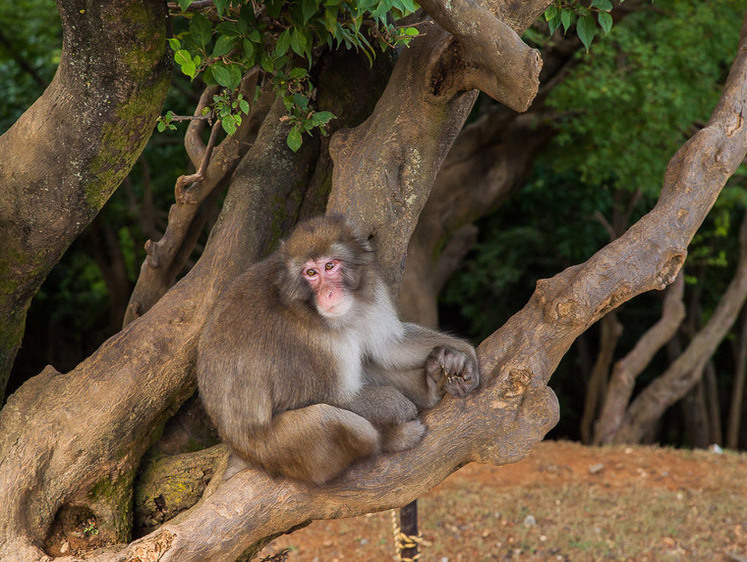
x: 310, y: 272
x: 329, y: 265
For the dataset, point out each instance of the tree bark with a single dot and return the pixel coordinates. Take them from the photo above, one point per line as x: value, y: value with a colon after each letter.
x: 70, y: 150
x: 685, y: 372
x: 597, y: 387
x: 737, y: 394
x: 47, y: 458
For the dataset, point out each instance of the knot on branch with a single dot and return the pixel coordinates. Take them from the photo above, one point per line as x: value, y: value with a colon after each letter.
x: 621, y: 294
x: 517, y: 382
x: 537, y: 413
x: 668, y: 272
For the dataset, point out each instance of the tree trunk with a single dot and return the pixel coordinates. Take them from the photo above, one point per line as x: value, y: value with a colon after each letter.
x: 737, y: 394
x: 69, y: 151
x: 383, y: 173
x: 622, y: 381
x: 610, y: 330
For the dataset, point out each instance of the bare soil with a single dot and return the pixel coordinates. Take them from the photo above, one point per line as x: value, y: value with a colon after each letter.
x: 563, y: 502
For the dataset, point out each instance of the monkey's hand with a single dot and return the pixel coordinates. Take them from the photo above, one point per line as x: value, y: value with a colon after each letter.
x: 453, y: 371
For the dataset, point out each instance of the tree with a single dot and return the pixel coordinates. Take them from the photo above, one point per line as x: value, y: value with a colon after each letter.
x: 74, y: 441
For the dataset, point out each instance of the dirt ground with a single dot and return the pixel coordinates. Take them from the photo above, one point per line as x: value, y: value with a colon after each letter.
x: 563, y: 502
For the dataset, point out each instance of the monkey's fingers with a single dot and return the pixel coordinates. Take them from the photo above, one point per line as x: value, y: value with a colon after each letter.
x: 463, y: 382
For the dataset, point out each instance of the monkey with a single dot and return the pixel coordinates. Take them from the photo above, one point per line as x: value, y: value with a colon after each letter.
x: 304, y: 366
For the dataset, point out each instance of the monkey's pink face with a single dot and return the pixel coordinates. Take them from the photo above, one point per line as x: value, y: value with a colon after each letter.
x: 331, y: 295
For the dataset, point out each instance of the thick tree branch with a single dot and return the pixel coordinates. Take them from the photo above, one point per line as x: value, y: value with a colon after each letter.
x: 493, y: 57
x: 687, y: 370
x: 69, y: 151
x: 167, y: 256
x: 193, y: 143
x: 141, y: 374
x: 385, y: 167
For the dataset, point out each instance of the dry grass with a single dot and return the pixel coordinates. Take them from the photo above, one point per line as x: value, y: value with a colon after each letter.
x: 564, y: 502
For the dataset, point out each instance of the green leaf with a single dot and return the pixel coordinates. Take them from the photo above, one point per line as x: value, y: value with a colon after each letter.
x: 324, y: 116
x: 229, y: 124
x: 161, y: 126
x: 201, y: 29
x: 283, y: 42
x: 566, y: 18
x: 553, y: 24
x: 227, y: 28
x: 294, y: 140
x: 244, y: 106
x: 223, y: 45
x: 297, y: 73
x: 605, y: 21
x: 586, y: 28
x: 301, y: 101
x: 248, y: 52
x: 267, y: 63
x: 298, y: 42
x: 605, y: 5
x: 551, y: 12
x: 330, y: 18
x: 189, y: 69
x: 174, y: 44
x: 308, y: 9
x: 235, y: 80
x: 184, y: 4
x: 221, y: 6
x: 254, y: 36
x: 182, y: 57
x: 208, y: 78
x: 221, y: 75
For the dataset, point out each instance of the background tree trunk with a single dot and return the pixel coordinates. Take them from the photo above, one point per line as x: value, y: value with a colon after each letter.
x: 737, y: 395
x: 70, y: 150
x: 686, y: 371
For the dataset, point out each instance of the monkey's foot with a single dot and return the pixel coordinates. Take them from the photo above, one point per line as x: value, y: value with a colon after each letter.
x: 454, y: 371
x: 402, y: 437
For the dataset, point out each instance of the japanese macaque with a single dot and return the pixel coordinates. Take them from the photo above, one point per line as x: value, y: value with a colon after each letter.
x: 305, y: 367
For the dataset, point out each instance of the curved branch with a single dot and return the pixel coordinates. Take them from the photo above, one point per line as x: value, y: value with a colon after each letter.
x: 494, y: 59
x: 628, y: 368
x: 385, y: 167
x: 193, y: 137
x: 166, y: 257
x: 688, y: 368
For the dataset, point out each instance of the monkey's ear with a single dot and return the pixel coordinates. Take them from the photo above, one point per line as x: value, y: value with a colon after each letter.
x: 358, y: 233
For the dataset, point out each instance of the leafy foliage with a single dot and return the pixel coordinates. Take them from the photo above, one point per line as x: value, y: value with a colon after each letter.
x: 280, y: 37
x: 29, y: 54
x: 587, y: 19
x: 631, y: 103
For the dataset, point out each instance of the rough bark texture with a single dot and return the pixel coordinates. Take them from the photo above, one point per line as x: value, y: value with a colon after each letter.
x: 687, y: 370
x: 626, y: 370
x: 385, y: 167
x: 140, y: 375
x: 69, y: 151
x: 383, y: 173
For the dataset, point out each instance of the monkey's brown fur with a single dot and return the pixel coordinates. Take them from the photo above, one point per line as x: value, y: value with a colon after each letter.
x: 302, y: 394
